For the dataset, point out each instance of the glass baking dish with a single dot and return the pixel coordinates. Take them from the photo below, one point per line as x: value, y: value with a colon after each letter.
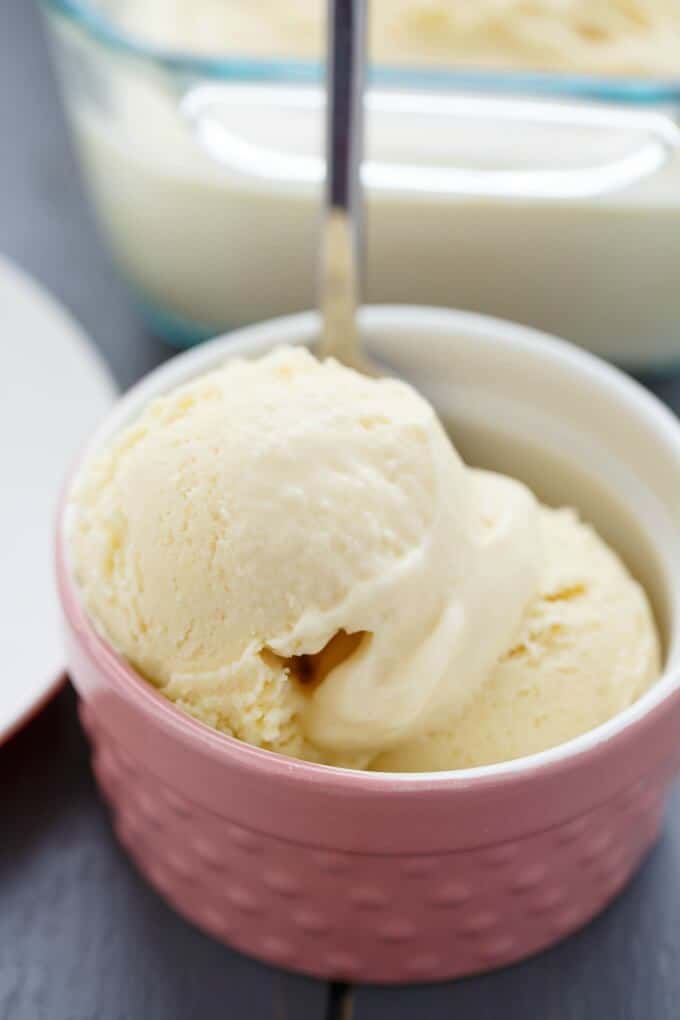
x: 552, y: 200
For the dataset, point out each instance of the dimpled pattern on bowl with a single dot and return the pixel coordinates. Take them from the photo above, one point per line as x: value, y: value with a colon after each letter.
x: 401, y: 878
x: 374, y: 917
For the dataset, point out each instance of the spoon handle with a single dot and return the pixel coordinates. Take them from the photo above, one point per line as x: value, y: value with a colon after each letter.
x: 342, y: 228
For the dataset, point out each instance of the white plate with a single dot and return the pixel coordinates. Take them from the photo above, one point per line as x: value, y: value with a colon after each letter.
x: 53, y: 390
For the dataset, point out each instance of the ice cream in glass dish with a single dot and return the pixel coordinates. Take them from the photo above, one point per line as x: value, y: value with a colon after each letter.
x: 596, y: 36
x: 296, y: 555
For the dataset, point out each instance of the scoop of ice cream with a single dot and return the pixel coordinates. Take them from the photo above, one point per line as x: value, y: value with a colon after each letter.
x: 297, y: 555
x: 587, y: 648
x: 456, y: 603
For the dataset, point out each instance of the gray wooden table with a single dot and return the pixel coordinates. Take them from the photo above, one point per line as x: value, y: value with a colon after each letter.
x: 82, y: 937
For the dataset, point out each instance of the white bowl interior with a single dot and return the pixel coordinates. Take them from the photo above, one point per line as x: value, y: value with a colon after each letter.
x: 577, y: 431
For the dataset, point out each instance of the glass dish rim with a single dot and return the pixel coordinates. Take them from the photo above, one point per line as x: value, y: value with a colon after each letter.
x: 635, y: 91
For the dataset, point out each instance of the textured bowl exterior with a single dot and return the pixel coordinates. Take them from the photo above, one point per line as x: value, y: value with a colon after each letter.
x: 361, y: 877
x: 400, y: 878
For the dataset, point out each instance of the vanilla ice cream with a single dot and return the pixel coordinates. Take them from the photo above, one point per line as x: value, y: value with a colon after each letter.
x: 600, y: 36
x: 215, y: 224
x: 296, y: 555
x: 587, y: 648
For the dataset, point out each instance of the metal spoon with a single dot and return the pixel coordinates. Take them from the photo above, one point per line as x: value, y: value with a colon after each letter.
x: 342, y: 229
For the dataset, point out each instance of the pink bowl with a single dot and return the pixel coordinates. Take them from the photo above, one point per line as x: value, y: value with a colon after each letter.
x: 396, y: 878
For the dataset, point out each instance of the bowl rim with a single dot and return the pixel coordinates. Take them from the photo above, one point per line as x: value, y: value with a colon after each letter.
x: 302, y: 329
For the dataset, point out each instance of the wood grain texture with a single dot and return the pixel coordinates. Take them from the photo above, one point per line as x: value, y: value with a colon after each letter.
x: 82, y: 936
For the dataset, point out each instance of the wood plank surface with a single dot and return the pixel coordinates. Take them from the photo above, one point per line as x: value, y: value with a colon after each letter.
x: 82, y: 935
